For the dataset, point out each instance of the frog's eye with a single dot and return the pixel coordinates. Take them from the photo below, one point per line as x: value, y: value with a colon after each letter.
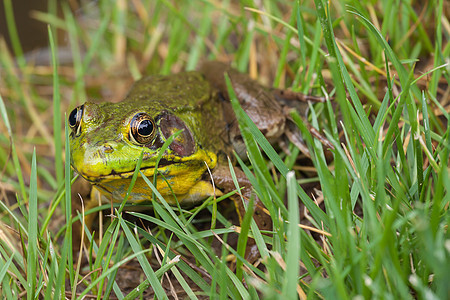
x: 142, y: 129
x: 75, y: 119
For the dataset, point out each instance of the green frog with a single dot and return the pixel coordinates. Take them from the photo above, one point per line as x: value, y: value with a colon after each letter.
x: 107, y: 139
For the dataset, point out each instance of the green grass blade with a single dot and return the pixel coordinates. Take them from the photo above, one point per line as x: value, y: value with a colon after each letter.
x: 183, y: 283
x: 111, y: 270
x: 68, y: 203
x: 301, y: 35
x: 17, y: 166
x: 32, y: 231
x: 403, y: 75
x: 56, y: 111
x: 5, y: 266
x: 243, y: 237
x: 72, y: 30
x: 197, y: 49
x: 182, y: 265
x: 112, y: 285
x: 13, y: 34
x: 138, y: 252
x: 294, y: 246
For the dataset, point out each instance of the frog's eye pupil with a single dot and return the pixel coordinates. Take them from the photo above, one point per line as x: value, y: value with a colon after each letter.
x: 75, y: 119
x: 142, y: 129
x: 145, y: 128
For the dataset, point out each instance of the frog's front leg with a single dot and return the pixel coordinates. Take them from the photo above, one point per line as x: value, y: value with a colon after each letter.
x: 223, y: 180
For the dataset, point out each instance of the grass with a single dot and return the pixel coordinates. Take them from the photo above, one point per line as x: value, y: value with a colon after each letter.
x: 376, y: 224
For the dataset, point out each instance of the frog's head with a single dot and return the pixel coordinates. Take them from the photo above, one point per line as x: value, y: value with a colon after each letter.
x: 107, y: 140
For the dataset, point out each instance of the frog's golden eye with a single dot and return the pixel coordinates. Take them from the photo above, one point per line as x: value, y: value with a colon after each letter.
x: 75, y: 119
x: 142, y: 129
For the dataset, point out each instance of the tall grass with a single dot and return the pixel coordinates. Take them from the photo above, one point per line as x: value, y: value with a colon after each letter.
x: 366, y: 218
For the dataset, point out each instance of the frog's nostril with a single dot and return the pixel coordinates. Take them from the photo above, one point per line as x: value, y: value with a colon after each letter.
x: 107, y: 149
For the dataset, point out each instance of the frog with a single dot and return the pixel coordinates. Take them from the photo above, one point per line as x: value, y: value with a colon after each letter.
x: 107, y: 139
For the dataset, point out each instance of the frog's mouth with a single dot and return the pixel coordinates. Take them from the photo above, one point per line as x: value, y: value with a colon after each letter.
x: 192, y: 169
x: 165, y: 167
x: 97, y: 169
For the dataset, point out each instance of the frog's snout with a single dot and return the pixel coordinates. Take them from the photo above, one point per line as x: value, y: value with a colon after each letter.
x: 93, y: 162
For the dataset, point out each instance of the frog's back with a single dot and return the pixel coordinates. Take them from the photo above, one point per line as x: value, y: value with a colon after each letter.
x: 186, y: 90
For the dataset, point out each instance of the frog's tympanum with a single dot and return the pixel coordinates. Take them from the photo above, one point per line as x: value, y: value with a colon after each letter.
x: 107, y: 139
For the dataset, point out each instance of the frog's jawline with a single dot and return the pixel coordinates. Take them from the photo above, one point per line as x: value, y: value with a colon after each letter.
x: 126, y: 175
